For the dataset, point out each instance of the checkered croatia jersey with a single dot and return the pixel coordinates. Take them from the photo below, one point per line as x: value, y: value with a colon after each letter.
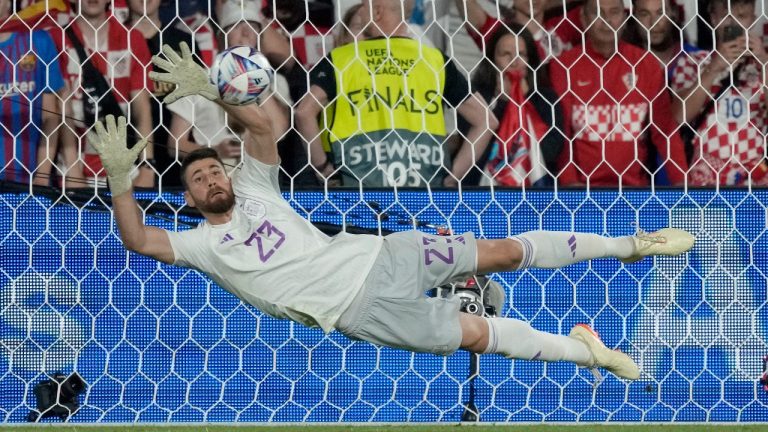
x: 730, y: 142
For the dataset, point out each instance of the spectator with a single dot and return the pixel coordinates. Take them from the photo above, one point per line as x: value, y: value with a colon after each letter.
x: 30, y: 77
x: 552, y: 36
x: 530, y: 118
x: 198, y: 122
x: 725, y: 100
x: 351, y: 27
x: 307, y: 24
x: 610, y: 102
x: 120, y: 61
x: 171, y: 10
x: 656, y: 29
x: 388, y: 128
x: 416, y: 26
x: 145, y: 18
x: 193, y: 17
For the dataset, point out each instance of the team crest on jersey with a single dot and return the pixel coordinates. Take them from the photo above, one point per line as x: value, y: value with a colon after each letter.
x: 28, y: 62
x: 629, y: 80
x: 254, y: 209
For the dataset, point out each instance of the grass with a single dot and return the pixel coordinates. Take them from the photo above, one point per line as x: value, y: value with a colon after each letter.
x: 396, y: 428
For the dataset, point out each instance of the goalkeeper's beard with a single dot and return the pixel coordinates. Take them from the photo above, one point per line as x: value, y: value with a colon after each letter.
x: 218, y: 201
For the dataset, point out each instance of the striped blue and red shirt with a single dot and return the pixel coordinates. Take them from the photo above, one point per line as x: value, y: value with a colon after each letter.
x: 28, y: 68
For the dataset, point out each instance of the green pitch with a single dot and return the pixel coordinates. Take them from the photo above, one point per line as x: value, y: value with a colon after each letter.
x: 427, y: 428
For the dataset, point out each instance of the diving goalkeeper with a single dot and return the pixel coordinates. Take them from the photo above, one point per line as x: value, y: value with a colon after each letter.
x: 254, y: 245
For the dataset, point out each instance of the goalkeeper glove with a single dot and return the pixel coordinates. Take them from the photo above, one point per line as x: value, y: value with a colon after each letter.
x: 189, y: 77
x: 117, y: 159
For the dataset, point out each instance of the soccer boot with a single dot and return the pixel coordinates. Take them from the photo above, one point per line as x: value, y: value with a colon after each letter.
x: 667, y: 241
x: 615, y: 362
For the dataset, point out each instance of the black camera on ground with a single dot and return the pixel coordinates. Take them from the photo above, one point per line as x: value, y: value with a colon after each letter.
x: 479, y: 295
x: 57, y: 397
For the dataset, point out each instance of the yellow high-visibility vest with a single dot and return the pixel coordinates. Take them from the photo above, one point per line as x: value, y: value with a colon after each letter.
x: 387, y: 126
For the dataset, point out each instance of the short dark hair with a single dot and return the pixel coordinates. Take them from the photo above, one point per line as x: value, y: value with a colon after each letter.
x: 199, y: 154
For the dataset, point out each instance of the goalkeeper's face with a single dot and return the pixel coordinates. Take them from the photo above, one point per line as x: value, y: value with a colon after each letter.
x: 208, y: 187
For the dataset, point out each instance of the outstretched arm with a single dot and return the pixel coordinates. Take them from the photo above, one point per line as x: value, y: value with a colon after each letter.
x: 261, y: 122
x: 259, y: 140
x: 118, y: 161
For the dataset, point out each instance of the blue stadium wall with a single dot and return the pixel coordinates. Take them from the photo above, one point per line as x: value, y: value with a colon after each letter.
x: 157, y: 343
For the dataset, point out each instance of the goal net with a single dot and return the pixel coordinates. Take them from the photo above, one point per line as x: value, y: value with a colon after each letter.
x: 158, y: 343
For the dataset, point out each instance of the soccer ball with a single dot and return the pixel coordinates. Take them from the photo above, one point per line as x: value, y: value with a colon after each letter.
x: 241, y: 74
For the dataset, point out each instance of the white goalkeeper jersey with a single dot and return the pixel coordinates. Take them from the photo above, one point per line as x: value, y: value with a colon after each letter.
x: 274, y: 259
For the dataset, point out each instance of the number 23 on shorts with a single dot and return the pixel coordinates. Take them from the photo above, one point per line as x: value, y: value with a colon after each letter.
x: 439, y: 249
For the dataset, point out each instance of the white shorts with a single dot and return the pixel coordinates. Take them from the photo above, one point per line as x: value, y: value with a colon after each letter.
x: 392, y: 310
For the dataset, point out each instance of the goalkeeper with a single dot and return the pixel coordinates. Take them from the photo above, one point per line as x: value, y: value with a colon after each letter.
x: 254, y: 245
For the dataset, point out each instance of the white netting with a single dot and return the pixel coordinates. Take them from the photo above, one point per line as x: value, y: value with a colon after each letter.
x: 637, y: 107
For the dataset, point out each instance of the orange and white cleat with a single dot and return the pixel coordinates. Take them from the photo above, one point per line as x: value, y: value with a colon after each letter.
x: 615, y: 362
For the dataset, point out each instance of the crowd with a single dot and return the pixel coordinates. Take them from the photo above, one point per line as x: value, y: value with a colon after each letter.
x: 527, y: 93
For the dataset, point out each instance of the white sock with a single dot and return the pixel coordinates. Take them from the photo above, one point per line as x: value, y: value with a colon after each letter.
x: 518, y: 340
x: 555, y: 249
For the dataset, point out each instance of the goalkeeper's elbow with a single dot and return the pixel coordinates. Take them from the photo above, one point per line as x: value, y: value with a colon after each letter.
x: 135, y: 242
x: 132, y: 246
